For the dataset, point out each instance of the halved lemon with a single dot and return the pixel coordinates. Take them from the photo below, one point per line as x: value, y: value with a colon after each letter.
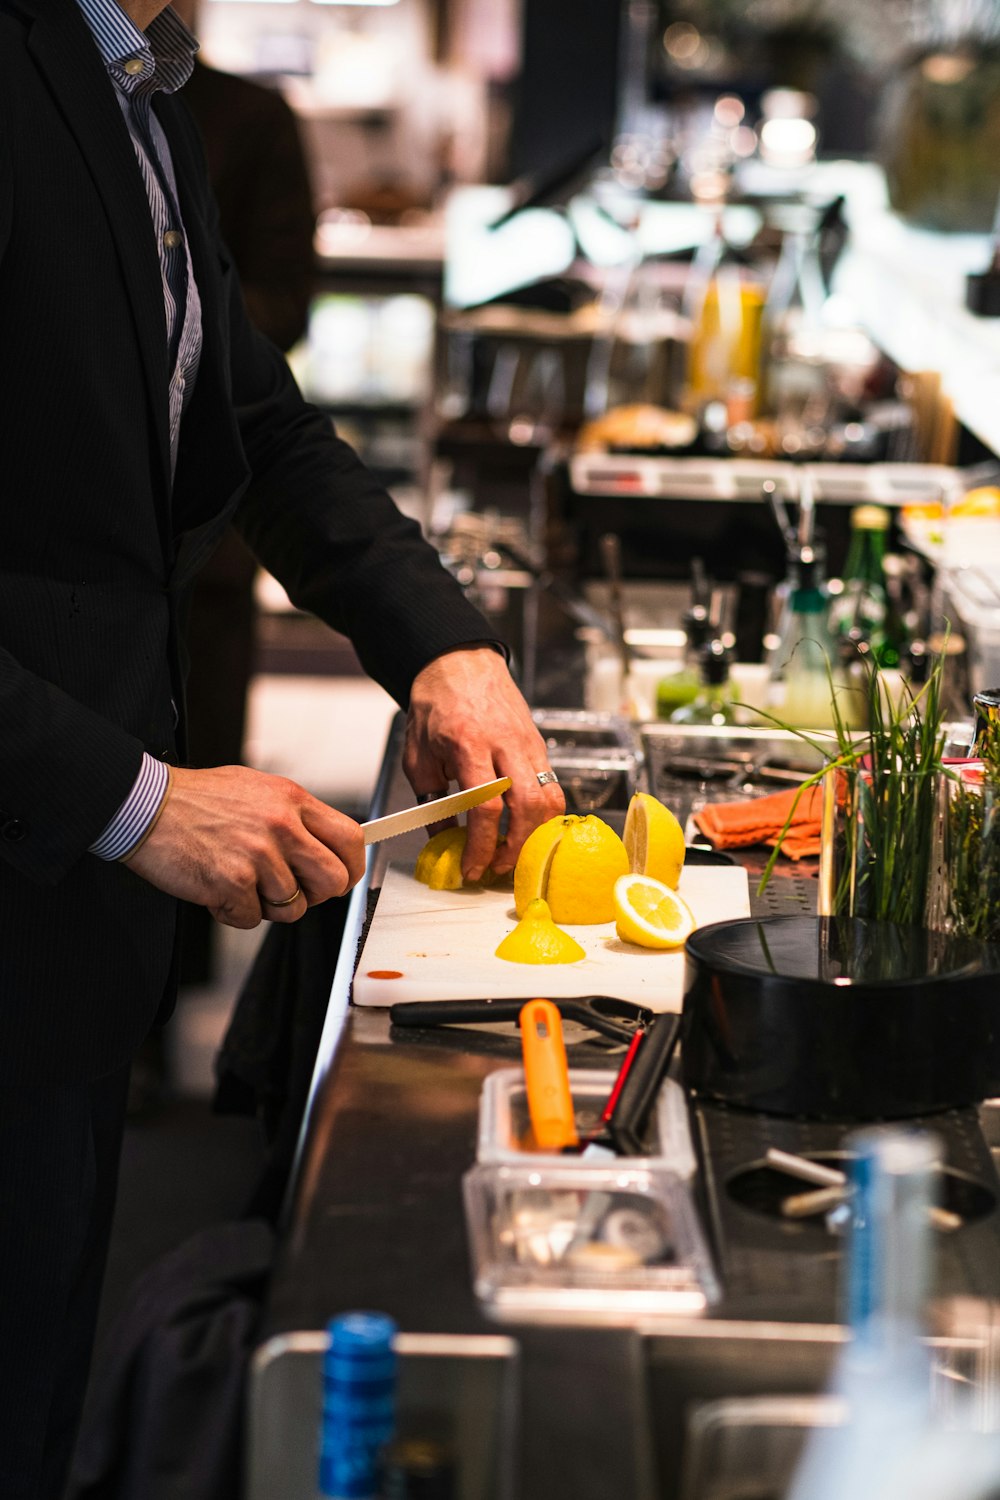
x: 651, y: 915
x: 537, y: 940
x: 654, y: 840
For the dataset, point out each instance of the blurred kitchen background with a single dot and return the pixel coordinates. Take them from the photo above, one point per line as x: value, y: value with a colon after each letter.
x: 592, y: 267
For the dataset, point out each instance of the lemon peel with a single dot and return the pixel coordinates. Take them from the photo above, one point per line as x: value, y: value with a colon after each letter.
x: 654, y: 840
x: 572, y: 862
x: 651, y: 915
x: 537, y: 940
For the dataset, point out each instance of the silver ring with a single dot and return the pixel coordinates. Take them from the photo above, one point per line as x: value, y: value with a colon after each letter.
x: 545, y: 777
x: 431, y: 796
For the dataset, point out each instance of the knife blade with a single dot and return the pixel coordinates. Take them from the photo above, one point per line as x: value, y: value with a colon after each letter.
x: 377, y: 829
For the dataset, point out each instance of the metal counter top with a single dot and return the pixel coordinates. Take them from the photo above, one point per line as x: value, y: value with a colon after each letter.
x: 375, y: 1219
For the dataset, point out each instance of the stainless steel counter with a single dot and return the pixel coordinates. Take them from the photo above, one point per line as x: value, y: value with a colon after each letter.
x: 374, y: 1219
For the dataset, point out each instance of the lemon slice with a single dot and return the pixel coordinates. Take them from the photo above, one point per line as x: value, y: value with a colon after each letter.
x: 651, y: 915
x: 654, y: 840
x: 537, y: 940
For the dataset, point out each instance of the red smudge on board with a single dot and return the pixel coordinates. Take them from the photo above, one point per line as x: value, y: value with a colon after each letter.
x: 384, y: 974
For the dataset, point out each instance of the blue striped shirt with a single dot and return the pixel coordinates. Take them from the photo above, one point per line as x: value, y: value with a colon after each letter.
x: 138, y: 64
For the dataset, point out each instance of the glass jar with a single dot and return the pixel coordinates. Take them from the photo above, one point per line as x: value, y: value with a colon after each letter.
x: 882, y: 852
x: 973, y: 858
x: 939, y: 138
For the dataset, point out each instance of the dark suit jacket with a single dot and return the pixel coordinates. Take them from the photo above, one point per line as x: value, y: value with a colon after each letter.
x: 95, y: 552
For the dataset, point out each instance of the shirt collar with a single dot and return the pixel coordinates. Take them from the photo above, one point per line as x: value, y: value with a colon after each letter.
x: 166, y: 49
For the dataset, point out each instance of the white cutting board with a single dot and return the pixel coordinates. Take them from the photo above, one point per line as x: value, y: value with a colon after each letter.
x: 442, y: 944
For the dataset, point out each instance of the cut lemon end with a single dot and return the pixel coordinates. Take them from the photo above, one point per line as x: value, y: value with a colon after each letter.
x: 537, y: 940
x: 651, y: 915
x: 439, y: 863
x: 654, y: 840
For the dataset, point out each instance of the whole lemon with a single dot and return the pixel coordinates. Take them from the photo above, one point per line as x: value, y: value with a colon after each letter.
x: 571, y: 862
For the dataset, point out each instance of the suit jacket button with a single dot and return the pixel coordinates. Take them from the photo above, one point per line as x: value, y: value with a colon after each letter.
x: 14, y: 830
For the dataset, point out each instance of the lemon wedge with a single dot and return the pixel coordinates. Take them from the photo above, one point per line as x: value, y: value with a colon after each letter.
x: 651, y: 915
x: 654, y: 840
x: 571, y: 862
x: 439, y: 863
x: 537, y: 940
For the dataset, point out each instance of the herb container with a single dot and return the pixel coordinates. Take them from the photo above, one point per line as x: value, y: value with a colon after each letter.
x: 973, y: 857
x: 882, y: 852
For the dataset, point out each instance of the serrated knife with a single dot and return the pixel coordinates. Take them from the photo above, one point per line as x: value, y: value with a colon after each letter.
x: 409, y: 818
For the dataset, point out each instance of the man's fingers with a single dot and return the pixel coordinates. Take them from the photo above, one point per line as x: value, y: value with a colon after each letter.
x: 529, y: 803
x: 334, y: 860
x: 248, y: 846
x: 482, y: 825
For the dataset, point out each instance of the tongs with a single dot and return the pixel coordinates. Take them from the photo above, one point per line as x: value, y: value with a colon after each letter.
x: 617, y: 1020
x: 832, y: 1190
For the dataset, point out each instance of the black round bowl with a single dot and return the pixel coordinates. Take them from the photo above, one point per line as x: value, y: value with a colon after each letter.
x: 840, y: 1018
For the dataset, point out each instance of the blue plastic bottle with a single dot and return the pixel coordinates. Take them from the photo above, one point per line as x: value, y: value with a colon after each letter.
x: 359, y: 1404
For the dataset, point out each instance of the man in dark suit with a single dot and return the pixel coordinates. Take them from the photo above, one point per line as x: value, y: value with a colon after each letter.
x: 136, y: 400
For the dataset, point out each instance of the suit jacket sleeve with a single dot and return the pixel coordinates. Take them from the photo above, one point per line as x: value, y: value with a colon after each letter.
x: 322, y: 524
x: 64, y: 769
x: 319, y: 520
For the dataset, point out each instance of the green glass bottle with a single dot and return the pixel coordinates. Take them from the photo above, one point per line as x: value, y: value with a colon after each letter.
x: 713, y: 703
x: 858, y: 614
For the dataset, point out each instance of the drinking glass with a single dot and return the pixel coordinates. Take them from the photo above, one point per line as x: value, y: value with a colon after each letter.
x: 882, y: 850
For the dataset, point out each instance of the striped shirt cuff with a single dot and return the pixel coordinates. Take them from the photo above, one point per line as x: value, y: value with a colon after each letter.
x: 137, y: 811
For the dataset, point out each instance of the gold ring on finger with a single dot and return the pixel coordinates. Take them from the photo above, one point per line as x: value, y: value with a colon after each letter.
x: 287, y: 901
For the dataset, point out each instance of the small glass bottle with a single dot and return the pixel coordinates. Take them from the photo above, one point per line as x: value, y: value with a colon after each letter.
x: 681, y: 688
x: 804, y: 659
x: 883, y: 1374
x: 713, y: 704
x: 723, y: 304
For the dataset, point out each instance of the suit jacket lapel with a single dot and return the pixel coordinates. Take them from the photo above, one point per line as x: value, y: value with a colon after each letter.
x: 211, y: 468
x: 74, y: 72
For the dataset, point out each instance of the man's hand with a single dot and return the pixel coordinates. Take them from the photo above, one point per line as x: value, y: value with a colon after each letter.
x: 468, y: 723
x: 241, y: 842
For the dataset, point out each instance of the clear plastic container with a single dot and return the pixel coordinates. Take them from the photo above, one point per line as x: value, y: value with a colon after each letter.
x: 579, y: 1243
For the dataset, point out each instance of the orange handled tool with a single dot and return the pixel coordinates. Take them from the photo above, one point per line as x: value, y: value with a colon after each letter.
x: 550, y: 1103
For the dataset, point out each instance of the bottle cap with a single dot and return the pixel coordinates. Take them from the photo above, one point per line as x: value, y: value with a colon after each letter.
x: 870, y: 518
x: 714, y: 664
x: 361, y: 1335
